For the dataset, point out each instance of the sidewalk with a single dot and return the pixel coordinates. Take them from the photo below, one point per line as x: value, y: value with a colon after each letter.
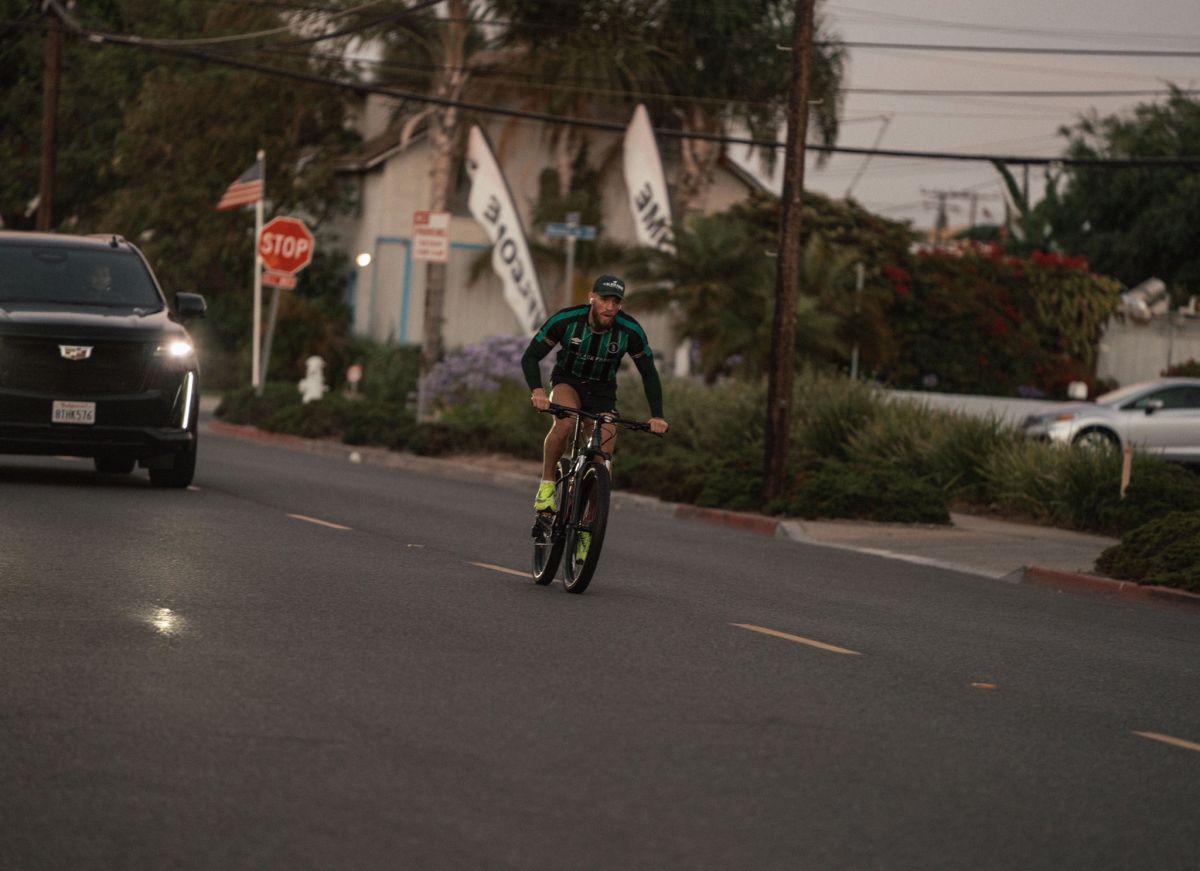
x: 984, y: 546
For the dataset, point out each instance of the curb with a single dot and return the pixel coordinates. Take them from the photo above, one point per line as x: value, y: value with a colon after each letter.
x: 1096, y: 585
x: 756, y: 523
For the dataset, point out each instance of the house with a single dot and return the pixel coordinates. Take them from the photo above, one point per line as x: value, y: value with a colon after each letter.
x: 392, y: 178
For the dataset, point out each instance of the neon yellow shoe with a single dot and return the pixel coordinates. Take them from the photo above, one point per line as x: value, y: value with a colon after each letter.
x: 581, y: 546
x: 547, y: 497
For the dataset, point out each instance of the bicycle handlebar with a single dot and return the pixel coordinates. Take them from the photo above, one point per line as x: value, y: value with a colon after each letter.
x: 601, y: 416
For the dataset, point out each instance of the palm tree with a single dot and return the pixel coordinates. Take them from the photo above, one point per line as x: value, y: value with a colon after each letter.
x: 720, y: 281
x: 589, y: 59
x: 731, y: 72
x: 441, y: 56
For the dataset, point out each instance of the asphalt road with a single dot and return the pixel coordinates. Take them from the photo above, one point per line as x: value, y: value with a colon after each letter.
x: 305, y: 663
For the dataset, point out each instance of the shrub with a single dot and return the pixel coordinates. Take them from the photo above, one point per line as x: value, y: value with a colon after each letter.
x: 830, y: 488
x: 828, y: 412
x: 974, y: 320
x: 478, y: 369
x: 386, y: 424
x: 713, y: 451
x: 389, y: 371
x: 1080, y: 489
x: 243, y: 406
x: 1188, y: 369
x: 1165, y: 551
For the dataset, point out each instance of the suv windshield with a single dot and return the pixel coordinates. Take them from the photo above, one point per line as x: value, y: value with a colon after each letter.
x: 62, y: 275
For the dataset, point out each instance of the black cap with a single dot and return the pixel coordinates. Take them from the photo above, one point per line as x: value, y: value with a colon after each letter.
x: 609, y: 285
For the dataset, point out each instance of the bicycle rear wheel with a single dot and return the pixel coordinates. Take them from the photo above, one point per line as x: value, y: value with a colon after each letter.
x: 591, y: 501
x: 548, y: 533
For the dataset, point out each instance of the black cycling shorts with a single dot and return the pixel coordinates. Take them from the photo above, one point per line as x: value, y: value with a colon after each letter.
x: 594, y: 396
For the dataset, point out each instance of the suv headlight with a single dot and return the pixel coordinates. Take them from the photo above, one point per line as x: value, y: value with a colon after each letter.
x: 176, y: 349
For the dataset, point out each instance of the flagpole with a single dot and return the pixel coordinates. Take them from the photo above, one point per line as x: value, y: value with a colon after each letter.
x: 255, y: 364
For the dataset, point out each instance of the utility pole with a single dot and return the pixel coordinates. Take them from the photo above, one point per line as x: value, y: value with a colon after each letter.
x: 782, y: 373
x: 941, y: 196
x: 50, y: 72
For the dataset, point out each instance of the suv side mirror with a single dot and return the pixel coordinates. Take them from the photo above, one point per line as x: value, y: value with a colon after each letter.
x: 190, y: 305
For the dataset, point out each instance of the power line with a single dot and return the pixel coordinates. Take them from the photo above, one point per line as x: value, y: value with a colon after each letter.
x: 610, y: 126
x: 893, y: 18
x: 952, y: 92
x: 996, y: 49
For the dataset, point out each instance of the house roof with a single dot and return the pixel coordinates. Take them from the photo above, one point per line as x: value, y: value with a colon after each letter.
x: 378, y: 150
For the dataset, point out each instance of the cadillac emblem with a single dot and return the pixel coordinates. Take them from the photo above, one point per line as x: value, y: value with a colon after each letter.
x: 75, y: 352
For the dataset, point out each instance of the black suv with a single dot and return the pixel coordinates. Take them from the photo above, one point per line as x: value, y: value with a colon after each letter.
x: 92, y: 363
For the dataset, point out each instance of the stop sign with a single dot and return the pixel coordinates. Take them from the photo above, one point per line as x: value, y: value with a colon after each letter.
x: 285, y: 245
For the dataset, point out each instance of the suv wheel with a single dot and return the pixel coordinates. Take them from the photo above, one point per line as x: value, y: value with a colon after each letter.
x: 179, y: 475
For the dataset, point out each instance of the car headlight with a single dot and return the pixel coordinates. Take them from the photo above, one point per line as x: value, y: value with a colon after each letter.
x: 176, y: 349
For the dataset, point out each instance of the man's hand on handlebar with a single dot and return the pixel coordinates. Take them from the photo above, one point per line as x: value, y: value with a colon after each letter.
x: 540, y: 400
x: 658, y: 426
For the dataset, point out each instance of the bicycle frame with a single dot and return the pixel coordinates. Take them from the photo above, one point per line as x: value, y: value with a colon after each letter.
x: 552, y: 532
x: 578, y: 452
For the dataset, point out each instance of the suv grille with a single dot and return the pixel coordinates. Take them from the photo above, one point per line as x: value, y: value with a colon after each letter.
x: 36, y: 364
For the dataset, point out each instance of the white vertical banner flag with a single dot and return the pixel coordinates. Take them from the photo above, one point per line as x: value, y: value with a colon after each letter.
x: 648, y: 200
x: 646, y: 183
x: 491, y: 204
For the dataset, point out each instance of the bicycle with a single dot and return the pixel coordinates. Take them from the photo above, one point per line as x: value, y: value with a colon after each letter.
x: 583, y: 487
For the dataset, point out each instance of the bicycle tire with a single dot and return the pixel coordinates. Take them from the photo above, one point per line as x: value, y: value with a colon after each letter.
x: 594, y: 487
x: 548, y: 534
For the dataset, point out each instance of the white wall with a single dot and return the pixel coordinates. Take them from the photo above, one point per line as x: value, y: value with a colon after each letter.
x: 389, y: 294
x: 1131, y: 352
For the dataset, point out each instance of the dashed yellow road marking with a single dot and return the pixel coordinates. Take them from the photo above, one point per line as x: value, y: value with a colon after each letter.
x: 984, y: 686
x: 1167, y: 739
x: 500, y: 569
x: 307, y: 519
x: 820, y: 645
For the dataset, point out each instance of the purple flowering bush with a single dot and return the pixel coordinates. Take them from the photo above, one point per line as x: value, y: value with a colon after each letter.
x: 479, y: 369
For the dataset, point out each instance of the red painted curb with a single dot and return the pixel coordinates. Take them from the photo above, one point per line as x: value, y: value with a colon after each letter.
x: 1059, y: 580
x: 755, y: 523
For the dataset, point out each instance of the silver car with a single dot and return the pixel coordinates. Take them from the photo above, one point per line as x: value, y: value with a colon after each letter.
x: 1160, y: 417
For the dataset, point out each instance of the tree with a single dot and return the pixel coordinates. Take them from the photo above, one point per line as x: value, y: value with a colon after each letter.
x: 593, y: 59
x: 148, y: 141
x: 1030, y: 227
x: 1138, y: 222
x: 98, y: 84
x: 722, y: 279
x: 729, y: 70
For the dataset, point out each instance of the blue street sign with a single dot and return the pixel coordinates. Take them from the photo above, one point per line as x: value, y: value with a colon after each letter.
x: 566, y: 231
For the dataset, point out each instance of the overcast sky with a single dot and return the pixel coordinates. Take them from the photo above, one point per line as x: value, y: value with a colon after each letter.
x: 896, y: 187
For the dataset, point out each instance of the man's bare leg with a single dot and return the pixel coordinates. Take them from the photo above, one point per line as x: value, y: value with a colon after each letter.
x: 560, y: 431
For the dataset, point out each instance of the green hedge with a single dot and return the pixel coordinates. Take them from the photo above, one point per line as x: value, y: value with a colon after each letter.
x: 856, y: 453
x: 1164, y: 551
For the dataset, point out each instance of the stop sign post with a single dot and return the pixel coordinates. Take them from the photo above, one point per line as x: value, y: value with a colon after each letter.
x: 285, y: 246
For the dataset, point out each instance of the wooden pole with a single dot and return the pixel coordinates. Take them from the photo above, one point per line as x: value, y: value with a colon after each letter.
x: 50, y: 80
x: 782, y: 372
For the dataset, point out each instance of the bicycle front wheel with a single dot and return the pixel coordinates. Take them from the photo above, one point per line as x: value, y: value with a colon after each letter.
x: 548, y: 533
x: 589, y: 514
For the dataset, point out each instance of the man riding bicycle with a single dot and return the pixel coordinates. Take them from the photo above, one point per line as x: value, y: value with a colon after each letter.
x: 593, y: 339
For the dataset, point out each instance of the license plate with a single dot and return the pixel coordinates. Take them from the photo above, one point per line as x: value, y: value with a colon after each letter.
x: 82, y: 413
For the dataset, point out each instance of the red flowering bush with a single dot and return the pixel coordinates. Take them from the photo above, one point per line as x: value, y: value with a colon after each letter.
x: 976, y: 320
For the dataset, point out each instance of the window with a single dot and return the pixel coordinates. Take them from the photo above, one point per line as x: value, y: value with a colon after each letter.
x: 58, y: 274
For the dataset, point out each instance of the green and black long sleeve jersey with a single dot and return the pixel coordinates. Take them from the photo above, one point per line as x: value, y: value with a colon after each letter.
x: 592, y: 356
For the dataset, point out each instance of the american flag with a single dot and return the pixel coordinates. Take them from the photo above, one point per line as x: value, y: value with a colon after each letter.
x: 247, y: 188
